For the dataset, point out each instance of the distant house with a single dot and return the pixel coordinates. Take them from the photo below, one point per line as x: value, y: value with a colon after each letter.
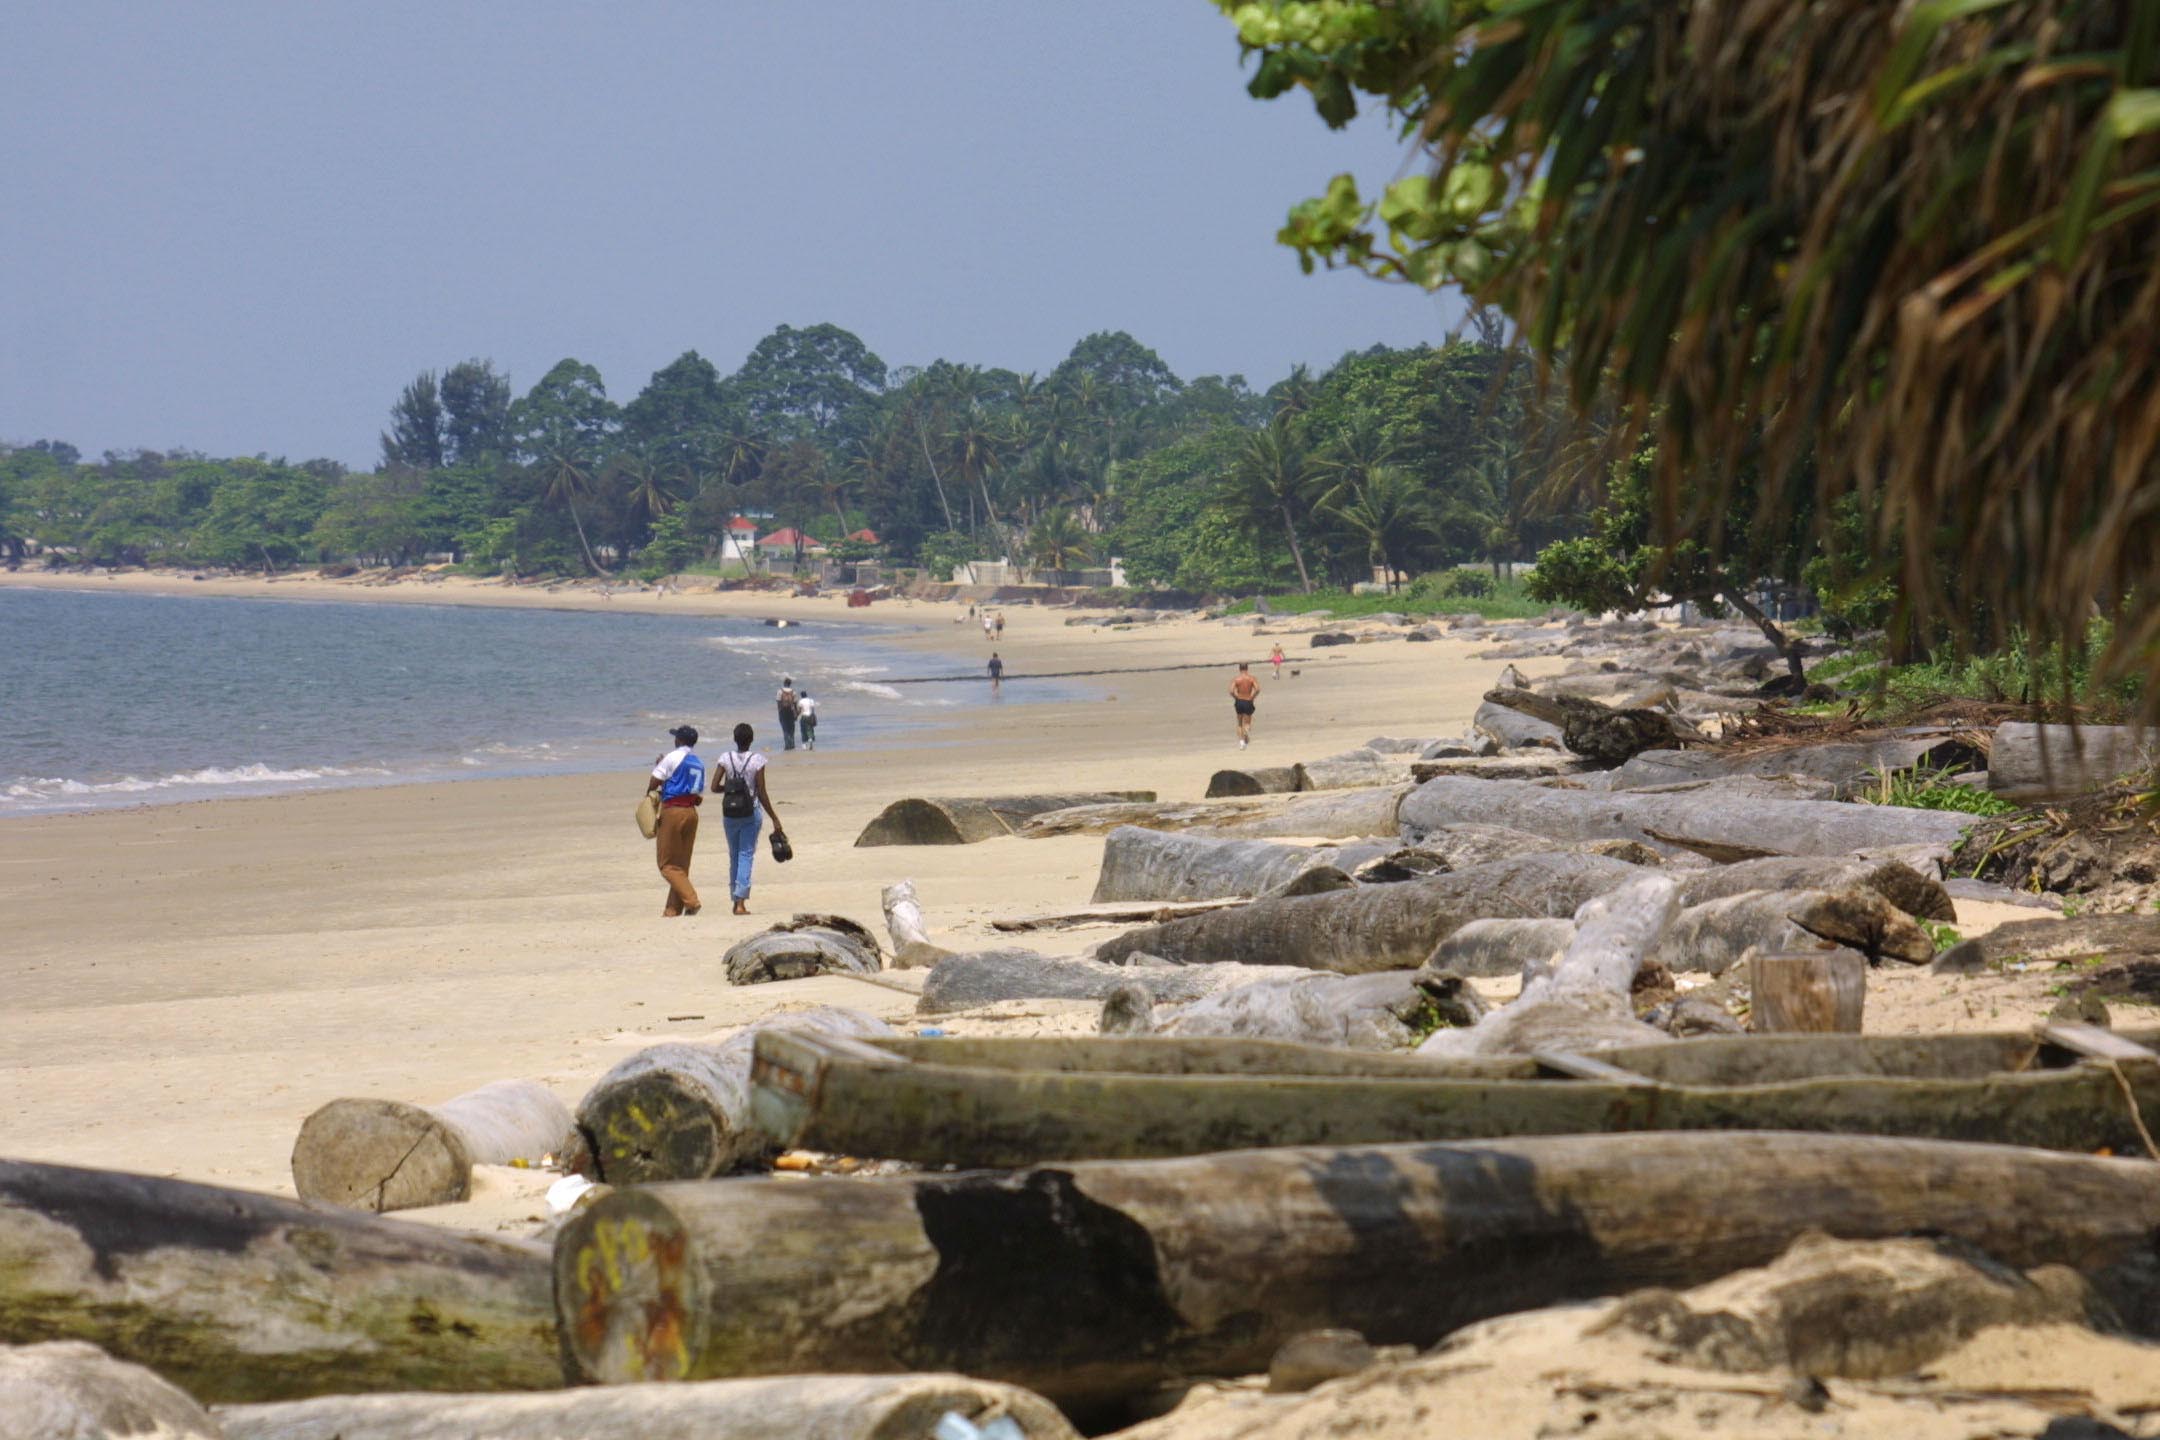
x: 867, y: 536
x: 783, y: 542
x: 739, y: 543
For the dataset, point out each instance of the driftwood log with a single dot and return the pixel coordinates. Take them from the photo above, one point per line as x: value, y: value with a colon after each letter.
x: 816, y: 1407
x: 1376, y: 927
x: 1813, y: 991
x: 1143, y: 864
x: 1715, y: 935
x: 1513, y: 729
x: 1332, y: 815
x: 1849, y: 765
x: 2039, y: 762
x: 1789, y: 827
x: 912, y: 948
x: 1358, y: 1012
x: 387, y: 1155
x: 67, y: 1390
x: 965, y: 820
x: 1602, y: 734
x: 985, y: 977
x: 981, y: 1104
x: 802, y: 946
x: 237, y: 1296
x: 1350, y: 770
x: 1171, y: 1268
x: 680, y: 1111
x: 1580, y: 1000
x: 1918, y: 895
x: 1258, y: 780
x: 1501, y: 947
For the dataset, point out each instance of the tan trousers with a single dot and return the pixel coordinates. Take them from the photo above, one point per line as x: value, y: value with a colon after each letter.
x: 677, y: 838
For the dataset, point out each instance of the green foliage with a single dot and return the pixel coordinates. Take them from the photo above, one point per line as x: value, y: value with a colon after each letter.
x: 2019, y: 672
x: 1924, y: 789
x: 942, y: 551
x: 1944, y: 936
x: 1432, y: 594
x: 667, y: 550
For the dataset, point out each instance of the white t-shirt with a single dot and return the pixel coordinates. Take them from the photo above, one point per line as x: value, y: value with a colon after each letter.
x: 730, y: 762
x: 807, y: 707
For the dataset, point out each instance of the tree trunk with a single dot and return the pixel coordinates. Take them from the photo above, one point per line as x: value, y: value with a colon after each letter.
x: 387, y: 1155
x: 238, y: 1296
x: 1377, y: 927
x: 943, y: 503
x: 1296, y: 554
x: 1092, y: 1282
x: 817, y: 1407
x: 682, y: 1111
x: 1792, y: 647
x: 912, y: 947
x: 578, y: 521
x: 1811, y: 992
x: 1140, y: 864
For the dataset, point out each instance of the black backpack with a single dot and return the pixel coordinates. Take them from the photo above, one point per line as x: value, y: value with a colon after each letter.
x: 738, y: 801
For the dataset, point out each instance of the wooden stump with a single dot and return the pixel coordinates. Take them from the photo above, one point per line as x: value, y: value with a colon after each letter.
x: 387, y: 1155
x: 1807, y: 991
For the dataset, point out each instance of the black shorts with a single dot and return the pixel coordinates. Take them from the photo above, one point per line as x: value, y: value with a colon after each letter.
x: 1243, y: 707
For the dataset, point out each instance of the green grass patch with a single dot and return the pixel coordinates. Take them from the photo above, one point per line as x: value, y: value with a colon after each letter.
x: 1932, y: 790
x: 2018, y: 671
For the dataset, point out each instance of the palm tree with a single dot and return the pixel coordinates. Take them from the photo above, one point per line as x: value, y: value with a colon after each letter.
x: 565, y: 480
x: 1057, y: 541
x: 1271, y: 479
x: 1393, y: 515
x: 648, y: 487
x: 1359, y: 448
x: 978, y: 446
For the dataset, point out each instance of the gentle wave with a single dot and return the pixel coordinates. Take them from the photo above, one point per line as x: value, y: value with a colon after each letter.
x: 35, y: 789
x: 868, y: 687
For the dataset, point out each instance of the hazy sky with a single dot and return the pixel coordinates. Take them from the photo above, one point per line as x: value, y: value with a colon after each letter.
x: 241, y: 227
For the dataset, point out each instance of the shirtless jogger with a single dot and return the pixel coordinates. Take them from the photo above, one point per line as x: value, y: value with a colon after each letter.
x: 1244, y: 690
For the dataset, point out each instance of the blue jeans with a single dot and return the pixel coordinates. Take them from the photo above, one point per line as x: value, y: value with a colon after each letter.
x: 742, y: 836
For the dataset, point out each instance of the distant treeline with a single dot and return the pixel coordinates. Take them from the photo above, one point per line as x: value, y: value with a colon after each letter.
x: 1411, y: 459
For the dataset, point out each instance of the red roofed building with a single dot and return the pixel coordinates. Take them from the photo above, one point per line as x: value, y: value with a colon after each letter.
x: 787, y: 539
x: 866, y: 536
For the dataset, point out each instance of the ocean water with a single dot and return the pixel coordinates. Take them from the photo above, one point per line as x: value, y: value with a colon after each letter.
x: 136, y: 699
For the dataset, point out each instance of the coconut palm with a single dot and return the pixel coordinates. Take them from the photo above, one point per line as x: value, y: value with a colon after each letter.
x: 1058, y: 543
x: 1391, y: 513
x: 566, y: 479
x: 1272, y: 480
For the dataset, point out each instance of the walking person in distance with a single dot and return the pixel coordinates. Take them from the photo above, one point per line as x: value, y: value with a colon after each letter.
x: 1244, y: 692
x: 738, y: 778
x: 997, y: 673
x: 679, y: 779
x: 790, y: 707
x: 806, y: 720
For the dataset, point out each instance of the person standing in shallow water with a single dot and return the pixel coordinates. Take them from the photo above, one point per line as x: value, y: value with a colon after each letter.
x: 1244, y: 692
x: 679, y: 777
x: 738, y: 778
x: 789, y: 707
x: 997, y: 673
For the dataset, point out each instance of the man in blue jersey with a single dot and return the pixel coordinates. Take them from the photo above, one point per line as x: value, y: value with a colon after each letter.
x: 680, y: 780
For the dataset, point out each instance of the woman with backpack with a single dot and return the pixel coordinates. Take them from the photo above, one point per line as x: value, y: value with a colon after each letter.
x: 738, y: 778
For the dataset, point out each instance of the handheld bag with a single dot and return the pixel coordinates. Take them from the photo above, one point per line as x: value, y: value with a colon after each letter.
x: 648, y: 815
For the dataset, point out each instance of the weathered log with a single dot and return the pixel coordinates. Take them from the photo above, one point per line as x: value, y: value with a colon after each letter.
x: 1916, y: 894
x: 67, y: 1390
x: 1376, y: 927
x: 1847, y: 764
x: 1350, y: 770
x: 237, y: 1296
x: 814, y: 1407
x: 1002, y: 1103
x: 1259, y: 780
x: 1580, y: 1002
x: 1601, y: 734
x: 1357, y: 1012
x: 680, y: 1111
x: 1794, y: 827
x: 965, y: 820
x: 1398, y: 745
x: 1339, y: 814
x: 1513, y: 729
x: 912, y: 948
x: 1714, y: 935
x: 1136, y: 912
x: 1152, y: 1263
x: 1806, y: 992
x: 801, y: 946
x: 1463, y: 846
x: 1500, y: 947
x: 1141, y: 864
x: 984, y: 977
x: 1531, y: 765
x: 2045, y: 762
x: 387, y: 1155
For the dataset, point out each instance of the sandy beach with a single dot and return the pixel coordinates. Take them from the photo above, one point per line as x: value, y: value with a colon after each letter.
x: 184, y: 983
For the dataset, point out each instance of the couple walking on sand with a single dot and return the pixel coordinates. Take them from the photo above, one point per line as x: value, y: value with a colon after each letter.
x: 797, y: 710
x: 738, y: 778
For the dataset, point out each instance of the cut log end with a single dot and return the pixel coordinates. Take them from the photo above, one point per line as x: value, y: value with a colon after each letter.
x: 1822, y: 991
x: 379, y: 1155
x: 653, y: 1128
x: 632, y: 1308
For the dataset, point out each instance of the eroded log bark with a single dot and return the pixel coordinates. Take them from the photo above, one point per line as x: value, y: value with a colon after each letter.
x: 802, y: 946
x: 1151, y: 1264
x: 984, y: 977
x: 965, y: 820
x: 1140, y: 864
x: 387, y: 1155
x: 912, y: 948
x: 67, y: 1390
x: 237, y: 1296
x: 817, y: 1407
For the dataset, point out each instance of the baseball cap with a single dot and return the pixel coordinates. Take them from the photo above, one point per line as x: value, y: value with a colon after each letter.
x: 687, y: 734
